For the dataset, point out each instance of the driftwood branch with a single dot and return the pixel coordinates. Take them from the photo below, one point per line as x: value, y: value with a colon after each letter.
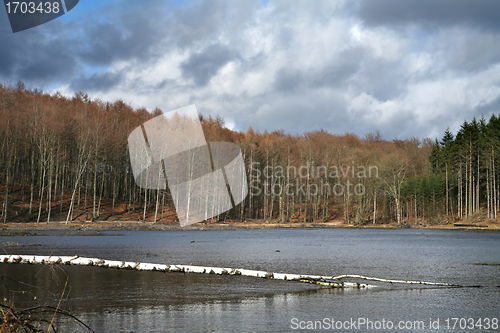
x: 27, y: 319
x: 331, y: 281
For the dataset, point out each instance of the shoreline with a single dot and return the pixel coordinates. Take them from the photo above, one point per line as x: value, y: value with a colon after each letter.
x: 19, y: 228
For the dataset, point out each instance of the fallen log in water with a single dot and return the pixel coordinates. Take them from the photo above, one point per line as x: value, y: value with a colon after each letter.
x: 331, y: 281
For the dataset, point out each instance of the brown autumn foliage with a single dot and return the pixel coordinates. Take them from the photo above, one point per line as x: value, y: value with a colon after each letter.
x: 66, y: 159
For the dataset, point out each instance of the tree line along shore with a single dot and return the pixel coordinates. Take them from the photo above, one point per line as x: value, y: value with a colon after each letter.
x: 66, y: 159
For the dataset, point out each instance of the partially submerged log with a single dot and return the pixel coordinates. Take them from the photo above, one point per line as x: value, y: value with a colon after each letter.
x: 469, y: 225
x: 330, y: 281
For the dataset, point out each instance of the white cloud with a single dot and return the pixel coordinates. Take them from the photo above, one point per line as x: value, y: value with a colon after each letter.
x: 315, y: 64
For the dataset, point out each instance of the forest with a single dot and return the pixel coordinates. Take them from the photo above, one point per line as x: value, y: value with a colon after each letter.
x: 66, y: 159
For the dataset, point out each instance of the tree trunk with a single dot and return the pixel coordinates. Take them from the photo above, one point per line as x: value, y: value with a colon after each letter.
x: 494, y: 185
x: 41, y: 196
x: 447, y: 197
x: 94, y: 198
x: 49, y: 189
x: 101, y: 193
x: 32, y: 182
x: 326, y: 280
x: 62, y: 188
x: 477, y: 185
x: 70, y: 211
x: 6, y: 201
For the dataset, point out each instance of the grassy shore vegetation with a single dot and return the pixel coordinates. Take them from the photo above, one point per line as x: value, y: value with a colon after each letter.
x: 66, y: 159
x: 40, y: 315
x: 37, y: 319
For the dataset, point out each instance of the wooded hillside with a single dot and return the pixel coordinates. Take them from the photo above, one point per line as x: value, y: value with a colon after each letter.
x: 67, y: 159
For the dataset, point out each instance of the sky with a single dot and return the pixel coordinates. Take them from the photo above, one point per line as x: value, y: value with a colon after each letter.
x: 405, y: 68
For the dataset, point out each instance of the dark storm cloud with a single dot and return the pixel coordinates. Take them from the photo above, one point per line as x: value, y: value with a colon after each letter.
x: 130, y: 35
x: 141, y: 32
x: 383, y: 80
x: 287, y: 80
x: 340, y: 69
x: 45, y: 54
x: 472, y: 51
x: 98, y: 82
x: 333, y: 74
x: 35, y: 57
x: 199, y: 22
x: 404, y: 67
x: 287, y: 114
x: 484, y: 14
x: 201, y: 67
x: 489, y: 108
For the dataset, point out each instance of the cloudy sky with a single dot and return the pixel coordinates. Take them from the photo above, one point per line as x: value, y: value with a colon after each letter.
x: 403, y: 67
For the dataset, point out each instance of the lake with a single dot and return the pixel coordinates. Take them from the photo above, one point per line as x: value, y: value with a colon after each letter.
x: 110, y: 300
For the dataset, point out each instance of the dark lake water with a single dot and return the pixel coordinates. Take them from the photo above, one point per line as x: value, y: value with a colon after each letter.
x: 111, y: 300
